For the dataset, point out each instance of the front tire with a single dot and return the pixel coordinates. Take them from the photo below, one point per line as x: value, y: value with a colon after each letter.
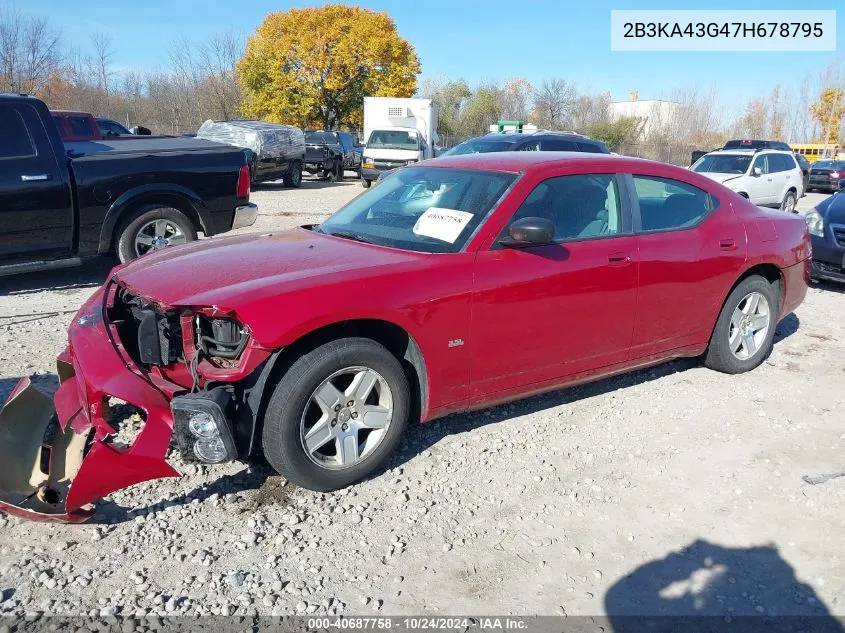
x: 745, y: 330
x: 366, y: 183
x: 336, y: 414
x: 151, y: 229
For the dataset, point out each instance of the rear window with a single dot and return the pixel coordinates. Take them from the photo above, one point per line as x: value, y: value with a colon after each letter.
x: 15, y: 141
x: 79, y: 125
x: 480, y: 147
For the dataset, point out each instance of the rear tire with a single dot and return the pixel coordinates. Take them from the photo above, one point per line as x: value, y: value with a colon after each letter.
x: 129, y: 234
x: 292, y: 401
x: 336, y: 172
x: 365, y: 183
x: 720, y: 354
x: 789, y: 202
x: 294, y: 176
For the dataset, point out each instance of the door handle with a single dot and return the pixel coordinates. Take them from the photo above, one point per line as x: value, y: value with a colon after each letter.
x: 727, y: 244
x: 618, y: 259
x: 35, y: 177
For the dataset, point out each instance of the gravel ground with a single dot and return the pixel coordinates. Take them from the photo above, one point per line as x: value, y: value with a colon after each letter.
x: 671, y: 490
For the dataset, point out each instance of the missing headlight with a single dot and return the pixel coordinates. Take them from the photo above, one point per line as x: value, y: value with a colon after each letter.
x: 221, y: 337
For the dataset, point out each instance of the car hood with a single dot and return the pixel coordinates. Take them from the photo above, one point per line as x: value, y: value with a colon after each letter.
x: 720, y: 178
x: 833, y: 208
x: 227, y: 272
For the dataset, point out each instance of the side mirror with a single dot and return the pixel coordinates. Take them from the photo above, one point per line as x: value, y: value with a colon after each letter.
x: 757, y: 171
x: 529, y: 232
x: 141, y: 131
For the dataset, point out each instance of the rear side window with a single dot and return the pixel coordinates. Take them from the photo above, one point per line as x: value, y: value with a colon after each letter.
x: 558, y: 145
x: 788, y: 161
x: 667, y: 205
x: 594, y: 148
x: 79, y: 126
x: 15, y: 140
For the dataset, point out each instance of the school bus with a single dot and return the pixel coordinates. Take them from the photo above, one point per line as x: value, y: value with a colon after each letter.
x: 816, y: 151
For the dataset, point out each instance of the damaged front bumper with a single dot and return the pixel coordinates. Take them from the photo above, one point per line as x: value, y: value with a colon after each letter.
x: 57, y: 458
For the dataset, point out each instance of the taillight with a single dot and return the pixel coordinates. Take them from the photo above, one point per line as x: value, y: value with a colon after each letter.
x: 243, y: 182
x: 834, y: 174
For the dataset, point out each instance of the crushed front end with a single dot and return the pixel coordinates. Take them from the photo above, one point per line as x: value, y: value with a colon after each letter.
x: 193, y: 374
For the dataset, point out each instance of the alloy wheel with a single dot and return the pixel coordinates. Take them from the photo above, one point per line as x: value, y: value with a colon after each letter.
x: 750, y: 323
x: 346, y: 417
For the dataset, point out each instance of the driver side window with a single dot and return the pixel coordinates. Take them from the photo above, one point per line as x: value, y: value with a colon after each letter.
x: 580, y: 207
x: 761, y: 162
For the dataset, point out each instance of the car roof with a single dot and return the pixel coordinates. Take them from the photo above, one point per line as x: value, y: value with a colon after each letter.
x: 737, y: 151
x: 515, y: 137
x: 516, y: 162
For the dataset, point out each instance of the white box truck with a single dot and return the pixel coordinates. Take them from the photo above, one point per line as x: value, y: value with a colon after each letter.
x: 397, y: 132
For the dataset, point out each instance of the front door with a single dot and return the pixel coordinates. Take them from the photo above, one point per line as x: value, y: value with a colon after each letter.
x: 36, y: 217
x: 544, y: 313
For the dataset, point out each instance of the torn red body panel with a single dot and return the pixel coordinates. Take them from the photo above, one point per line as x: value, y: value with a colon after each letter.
x: 84, y: 464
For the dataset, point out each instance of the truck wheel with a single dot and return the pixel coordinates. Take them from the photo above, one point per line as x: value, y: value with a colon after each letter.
x: 366, y: 183
x: 336, y: 414
x: 294, y: 176
x: 745, y: 329
x: 152, y: 229
x: 336, y: 172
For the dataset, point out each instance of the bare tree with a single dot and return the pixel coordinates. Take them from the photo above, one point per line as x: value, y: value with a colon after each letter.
x: 217, y: 58
x: 515, y: 98
x: 100, y: 62
x: 29, y: 51
x: 554, y: 102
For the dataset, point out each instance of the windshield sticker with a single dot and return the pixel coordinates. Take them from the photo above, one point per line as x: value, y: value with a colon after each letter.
x: 442, y: 224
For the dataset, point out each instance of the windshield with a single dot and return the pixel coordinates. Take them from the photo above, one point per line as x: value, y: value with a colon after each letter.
x: 478, y: 147
x: 423, y: 209
x: 393, y: 139
x: 723, y: 164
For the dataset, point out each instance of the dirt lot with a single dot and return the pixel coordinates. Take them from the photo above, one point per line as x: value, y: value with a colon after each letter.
x: 672, y: 490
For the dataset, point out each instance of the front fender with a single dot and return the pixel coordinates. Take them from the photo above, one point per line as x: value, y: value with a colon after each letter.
x: 169, y: 194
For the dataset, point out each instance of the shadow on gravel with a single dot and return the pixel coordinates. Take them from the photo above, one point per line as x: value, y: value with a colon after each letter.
x: 828, y: 286
x: 90, y: 274
x: 698, y: 587
x: 312, y: 183
x: 423, y: 436
x: 250, y: 489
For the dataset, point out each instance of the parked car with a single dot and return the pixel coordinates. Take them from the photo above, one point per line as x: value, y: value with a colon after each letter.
x: 804, y: 166
x: 766, y: 177
x: 534, y: 141
x: 826, y: 223
x: 318, y: 345
x: 276, y: 151
x: 747, y: 143
x: 331, y: 153
x: 110, y: 128
x: 825, y: 175
x: 76, y: 126
x: 125, y: 198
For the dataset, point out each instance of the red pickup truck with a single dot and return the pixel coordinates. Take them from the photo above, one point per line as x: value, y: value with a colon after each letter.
x: 76, y: 126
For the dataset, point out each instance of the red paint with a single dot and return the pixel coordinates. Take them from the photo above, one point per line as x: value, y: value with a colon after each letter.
x: 531, y: 320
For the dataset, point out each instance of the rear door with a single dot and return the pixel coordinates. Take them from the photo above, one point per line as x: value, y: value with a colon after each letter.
x: 36, y: 217
x: 691, y: 246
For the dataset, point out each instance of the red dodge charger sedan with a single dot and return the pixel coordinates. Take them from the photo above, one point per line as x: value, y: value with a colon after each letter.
x: 455, y: 284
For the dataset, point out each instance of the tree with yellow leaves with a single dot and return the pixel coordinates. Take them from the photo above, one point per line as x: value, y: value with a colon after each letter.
x: 828, y: 112
x: 313, y: 67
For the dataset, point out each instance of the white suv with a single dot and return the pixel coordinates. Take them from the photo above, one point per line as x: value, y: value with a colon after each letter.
x: 767, y: 177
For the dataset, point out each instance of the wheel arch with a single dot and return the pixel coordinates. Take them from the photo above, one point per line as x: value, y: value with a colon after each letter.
x: 767, y: 270
x: 395, y: 338
x: 125, y: 206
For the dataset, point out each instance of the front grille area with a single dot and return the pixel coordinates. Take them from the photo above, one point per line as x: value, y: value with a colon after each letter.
x: 150, y: 336
x: 838, y: 233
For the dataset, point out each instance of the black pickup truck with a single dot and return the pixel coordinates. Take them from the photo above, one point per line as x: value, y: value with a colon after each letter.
x: 61, y: 203
x: 331, y: 153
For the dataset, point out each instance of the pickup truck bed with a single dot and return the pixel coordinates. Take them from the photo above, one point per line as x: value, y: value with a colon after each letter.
x: 95, y: 197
